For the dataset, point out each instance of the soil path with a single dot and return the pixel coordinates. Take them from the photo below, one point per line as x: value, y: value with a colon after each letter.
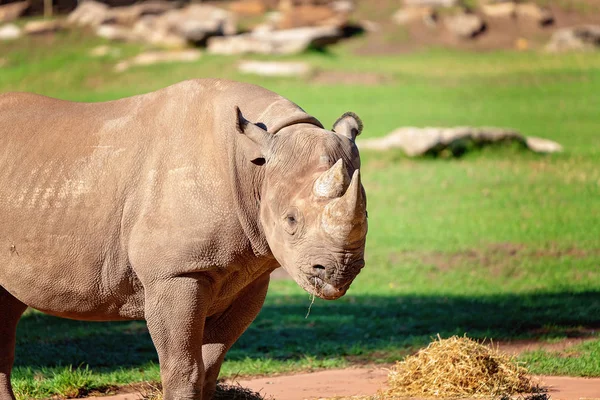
x: 363, y: 381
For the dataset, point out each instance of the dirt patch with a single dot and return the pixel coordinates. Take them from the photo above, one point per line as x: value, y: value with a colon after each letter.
x: 345, y: 383
x: 349, y: 78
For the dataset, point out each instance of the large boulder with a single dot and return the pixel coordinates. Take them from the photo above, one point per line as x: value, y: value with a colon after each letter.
x: 465, y: 25
x: 89, y: 13
x: 289, y: 41
x: 586, y: 37
x: 149, y: 30
x: 10, y: 32
x: 194, y: 23
x: 455, y: 141
x: 11, y: 11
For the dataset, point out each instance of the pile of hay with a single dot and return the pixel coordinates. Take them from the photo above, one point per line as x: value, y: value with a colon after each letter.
x: 458, y: 367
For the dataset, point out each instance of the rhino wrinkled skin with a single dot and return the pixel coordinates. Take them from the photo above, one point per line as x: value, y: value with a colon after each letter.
x: 173, y: 207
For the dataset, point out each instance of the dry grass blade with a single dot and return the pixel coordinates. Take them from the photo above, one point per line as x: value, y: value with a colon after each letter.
x: 458, y: 367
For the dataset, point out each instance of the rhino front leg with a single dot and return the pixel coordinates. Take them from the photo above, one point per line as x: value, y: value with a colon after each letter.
x: 11, y: 310
x: 221, y: 332
x: 175, y: 310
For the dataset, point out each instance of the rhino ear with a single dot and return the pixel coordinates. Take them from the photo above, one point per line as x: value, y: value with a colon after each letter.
x: 256, y: 141
x: 348, y: 125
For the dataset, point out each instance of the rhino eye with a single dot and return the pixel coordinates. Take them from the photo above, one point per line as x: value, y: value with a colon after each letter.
x: 291, y: 221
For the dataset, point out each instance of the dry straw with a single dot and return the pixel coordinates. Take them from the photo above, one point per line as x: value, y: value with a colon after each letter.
x: 457, y: 367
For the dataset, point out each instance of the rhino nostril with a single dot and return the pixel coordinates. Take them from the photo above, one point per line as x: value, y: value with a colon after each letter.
x: 318, y: 267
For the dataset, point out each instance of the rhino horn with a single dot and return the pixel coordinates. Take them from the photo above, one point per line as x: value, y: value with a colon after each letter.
x: 345, y: 217
x: 333, y: 182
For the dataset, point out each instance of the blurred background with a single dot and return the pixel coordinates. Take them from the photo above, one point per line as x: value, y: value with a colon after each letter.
x: 481, y: 161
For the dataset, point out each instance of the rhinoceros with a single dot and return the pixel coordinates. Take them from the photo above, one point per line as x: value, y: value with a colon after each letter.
x: 173, y: 207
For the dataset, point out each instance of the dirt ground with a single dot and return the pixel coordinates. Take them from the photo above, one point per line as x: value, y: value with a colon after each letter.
x: 366, y: 381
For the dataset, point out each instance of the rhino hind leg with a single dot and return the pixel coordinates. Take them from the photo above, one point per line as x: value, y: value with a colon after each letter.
x: 11, y: 310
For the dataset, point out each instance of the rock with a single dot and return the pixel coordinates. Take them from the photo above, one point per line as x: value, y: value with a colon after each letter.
x: 586, y: 37
x: 408, y: 15
x: 194, y: 23
x: 89, y: 13
x: 43, y: 27
x: 421, y: 141
x: 129, y: 15
x: 290, y: 41
x: 10, y: 32
x: 465, y: 25
x: 274, y: 68
x: 115, y: 32
x: 148, y: 30
x: 11, y: 11
x: 104, y: 50
x: 499, y: 10
x: 540, y: 145
x: 156, y: 57
x: 248, y: 7
x: 541, y: 15
x: 432, y: 3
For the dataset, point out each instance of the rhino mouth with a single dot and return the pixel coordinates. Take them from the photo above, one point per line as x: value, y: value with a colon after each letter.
x: 323, y: 290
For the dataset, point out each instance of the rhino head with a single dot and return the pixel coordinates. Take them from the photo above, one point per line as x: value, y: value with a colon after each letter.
x: 312, y: 203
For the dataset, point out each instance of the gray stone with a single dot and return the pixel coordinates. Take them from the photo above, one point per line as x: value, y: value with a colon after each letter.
x: 149, y: 30
x: 540, y: 145
x: 274, y: 68
x: 420, y: 141
x: 194, y: 23
x: 465, y: 25
x: 10, y: 32
x: 89, y: 13
x: 586, y: 37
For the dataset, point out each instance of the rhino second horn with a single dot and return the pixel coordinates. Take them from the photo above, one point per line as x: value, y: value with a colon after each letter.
x: 342, y: 215
x: 333, y: 182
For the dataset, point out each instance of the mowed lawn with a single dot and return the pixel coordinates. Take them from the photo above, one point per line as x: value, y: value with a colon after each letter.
x: 500, y: 244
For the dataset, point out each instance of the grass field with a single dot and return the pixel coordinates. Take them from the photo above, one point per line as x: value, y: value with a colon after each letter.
x: 500, y: 244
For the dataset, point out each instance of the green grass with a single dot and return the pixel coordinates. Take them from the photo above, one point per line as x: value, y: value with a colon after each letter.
x: 499, y: 244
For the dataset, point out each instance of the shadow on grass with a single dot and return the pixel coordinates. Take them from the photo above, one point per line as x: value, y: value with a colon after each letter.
x: 356, y: 327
